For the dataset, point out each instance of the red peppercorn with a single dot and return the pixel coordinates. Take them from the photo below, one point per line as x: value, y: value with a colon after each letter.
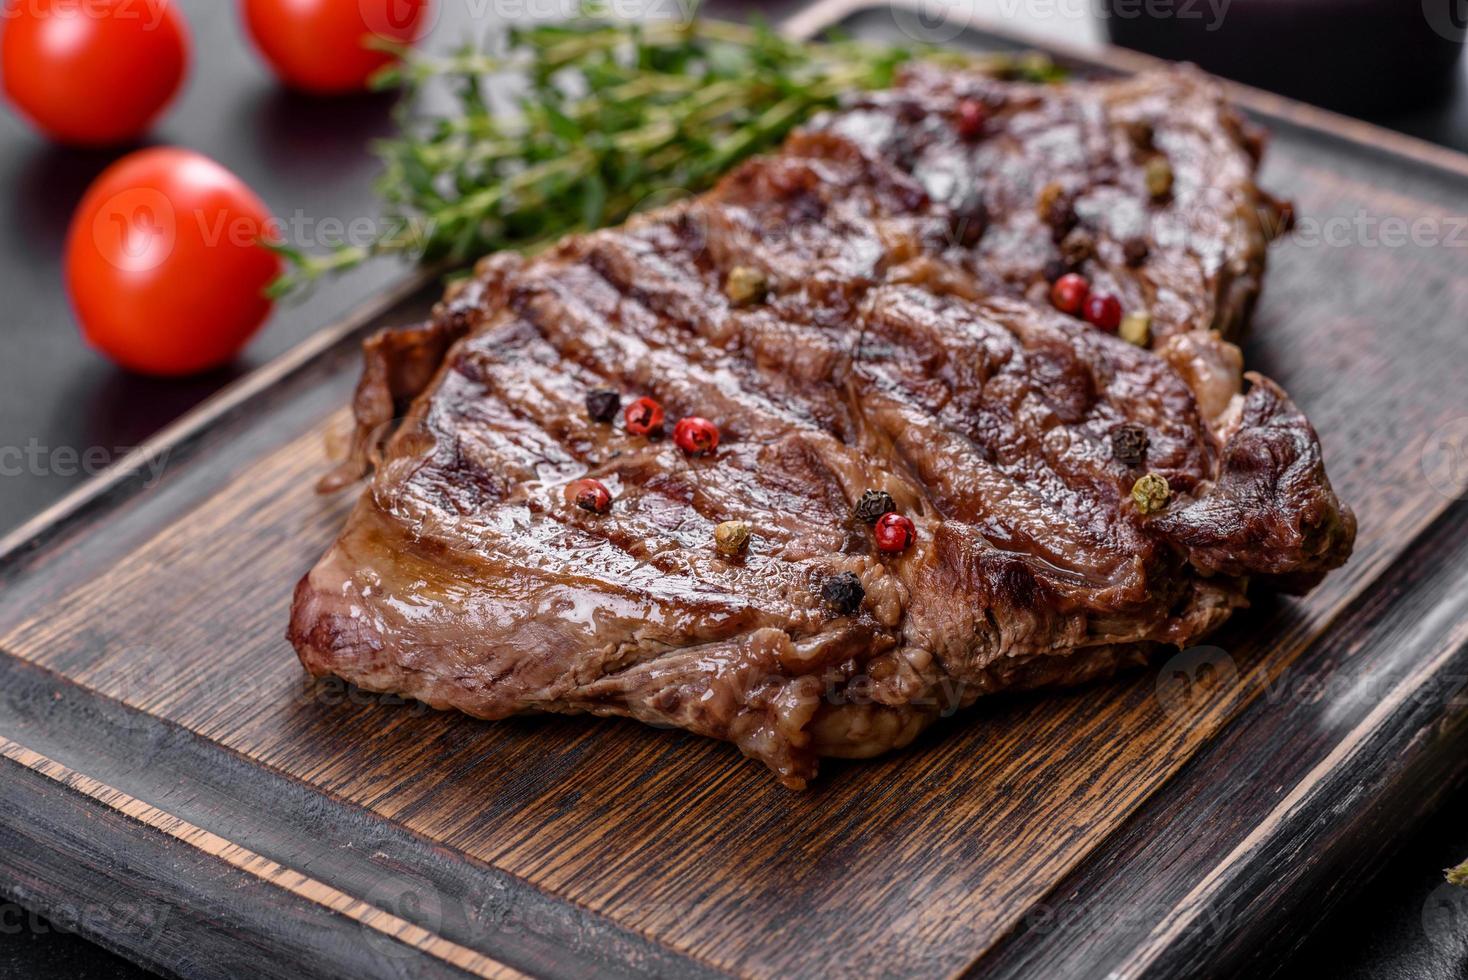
x: 972, y: 114
x: 1104, y: 312
x: 894, y: 533
x: 590, y: 495
x: 643, y: 417
x: 696, y: 436
x: 1069, y: 293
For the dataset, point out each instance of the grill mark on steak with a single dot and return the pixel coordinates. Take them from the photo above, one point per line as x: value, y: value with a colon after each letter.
x: 1005, y: 496
x: 886, y: 356
x: 1032, y: 540
x: 1270, y: 512
x: 1206, y: 246
x: 573, y: 319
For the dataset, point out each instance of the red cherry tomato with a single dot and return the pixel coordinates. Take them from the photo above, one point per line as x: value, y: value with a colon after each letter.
x: 317, y: 45
x: 92, y: 72
x: 164, y: 264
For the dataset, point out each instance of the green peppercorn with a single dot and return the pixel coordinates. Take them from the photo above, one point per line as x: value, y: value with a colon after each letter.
x: 745, y: 285
x: 1151, y: 493
x: 732, y: 537
x: 1136, y: 328
x: 1159, y: 177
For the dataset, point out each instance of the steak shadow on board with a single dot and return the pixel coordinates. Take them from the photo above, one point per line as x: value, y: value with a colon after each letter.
x: 864, y: 315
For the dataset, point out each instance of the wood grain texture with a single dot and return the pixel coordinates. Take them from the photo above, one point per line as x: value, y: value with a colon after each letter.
x: 384, y: 924
x: 285, y: 822
x: 991, y: 845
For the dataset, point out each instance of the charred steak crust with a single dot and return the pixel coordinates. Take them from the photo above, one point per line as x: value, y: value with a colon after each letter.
x: 883, y: 353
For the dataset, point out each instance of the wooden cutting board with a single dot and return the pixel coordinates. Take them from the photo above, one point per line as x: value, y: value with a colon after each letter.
x: 172, y: 786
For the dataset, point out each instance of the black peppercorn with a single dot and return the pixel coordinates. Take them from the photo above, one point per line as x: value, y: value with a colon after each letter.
x: 1129, y: 444
x: 602, y: 404
x: 843, y: 593
x: 969, y: 219
x: 873, y: 504
x: 1056, y: 208
x: 1141, y: 133
x: 1077, y: 247
x: 1135, y: 251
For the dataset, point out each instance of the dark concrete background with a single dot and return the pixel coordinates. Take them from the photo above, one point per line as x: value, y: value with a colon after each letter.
x: 309, y: 156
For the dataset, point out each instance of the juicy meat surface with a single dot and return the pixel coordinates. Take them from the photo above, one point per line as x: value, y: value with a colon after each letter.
x: 895, y: 348
x: 1060, y: 184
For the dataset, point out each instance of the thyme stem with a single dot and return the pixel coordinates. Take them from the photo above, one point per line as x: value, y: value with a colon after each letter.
x: 606, y: 116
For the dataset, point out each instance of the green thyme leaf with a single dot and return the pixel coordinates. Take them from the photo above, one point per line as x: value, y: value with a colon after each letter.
x: 603, y: 116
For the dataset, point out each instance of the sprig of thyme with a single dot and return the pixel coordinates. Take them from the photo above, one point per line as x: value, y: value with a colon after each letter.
x: 607, y: 118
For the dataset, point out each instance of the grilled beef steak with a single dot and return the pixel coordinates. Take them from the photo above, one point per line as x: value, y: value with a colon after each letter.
x: 1058, y: 180
x: 1076, y: 500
